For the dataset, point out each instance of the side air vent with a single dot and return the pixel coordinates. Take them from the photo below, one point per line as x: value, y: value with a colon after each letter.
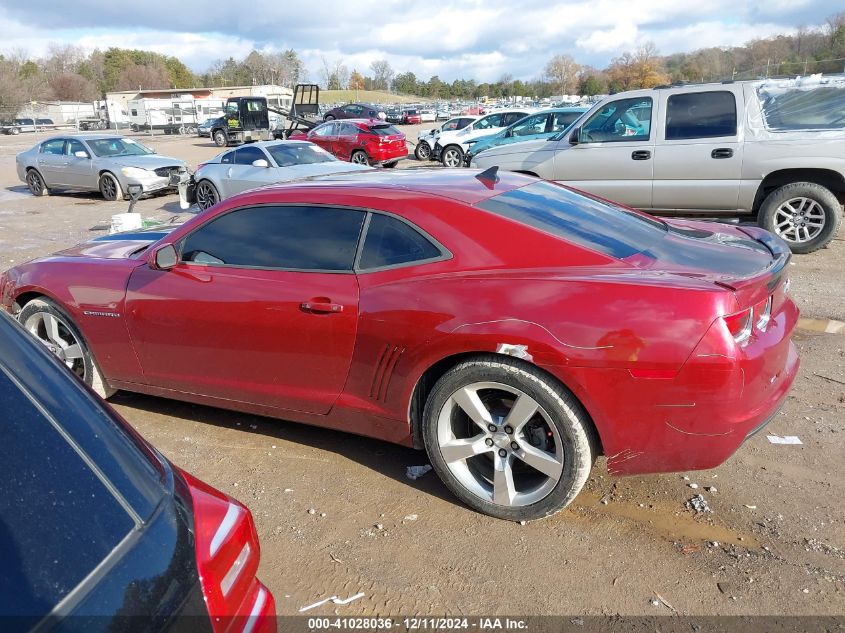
x: 387, y: 359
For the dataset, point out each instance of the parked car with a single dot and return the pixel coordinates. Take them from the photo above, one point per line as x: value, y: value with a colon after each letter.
x: 771, y: 149
x: 544, y: 124
x: 450, y: 146
x: 428, y: 116
x: 449, y: 310
x: 258, y: 164
x: 393, y: 115
x: 97, y: 162
x: 97, y: 528
x: 355, y: 111
x: 443, y: 114
x: 10, y: 127
x: 204, y: 128
x: 411, y: 117
x: 362, y: 141
x: 427, y: 138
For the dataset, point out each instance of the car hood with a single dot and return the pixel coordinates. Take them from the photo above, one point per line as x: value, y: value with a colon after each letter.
x: 148, y: 161
x: 119, y: 245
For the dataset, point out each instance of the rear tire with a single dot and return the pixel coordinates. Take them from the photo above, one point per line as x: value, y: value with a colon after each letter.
x: 526, y: 419
x: 49, y: 324
x: 35, y: 182
x: 805, y: 215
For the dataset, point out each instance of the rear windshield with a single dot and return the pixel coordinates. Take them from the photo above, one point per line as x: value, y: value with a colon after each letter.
x: 58, y: 521
x: 586, y: 221
x: 384, y: 130
x: 795, y: 107
x: 298, y: 154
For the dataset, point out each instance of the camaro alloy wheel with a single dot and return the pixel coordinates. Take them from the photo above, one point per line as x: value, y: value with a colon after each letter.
x: 207, y: 195
x: 49, y: 325
x: 507, y: 439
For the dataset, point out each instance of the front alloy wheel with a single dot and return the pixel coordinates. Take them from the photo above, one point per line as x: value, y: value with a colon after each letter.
x: 206, y: 195
x: 452, y: 157
x: 507, y: 439
x: 422, y: 151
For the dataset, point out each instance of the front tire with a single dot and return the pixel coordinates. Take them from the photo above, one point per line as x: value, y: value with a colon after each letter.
x: 49, y: 324
x: 507, y: 439
x: 422, y: 151
x: 35, y: 183
x: 206, y: 194
x: 220, y: 138
x: 359, y: 157
x: 804, y: 214
x: 110, y: 187
x: 452, y: 156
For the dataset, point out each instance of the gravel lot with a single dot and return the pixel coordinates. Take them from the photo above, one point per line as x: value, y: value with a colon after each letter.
x: 774, y: 543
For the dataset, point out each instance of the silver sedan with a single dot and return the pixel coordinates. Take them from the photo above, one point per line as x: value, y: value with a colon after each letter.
x: 257, y: 164
x: 97, y: 162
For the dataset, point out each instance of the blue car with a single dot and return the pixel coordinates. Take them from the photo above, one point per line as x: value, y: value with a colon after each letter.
x: 543, y: 124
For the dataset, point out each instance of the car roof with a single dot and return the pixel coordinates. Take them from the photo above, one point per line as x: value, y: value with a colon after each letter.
x: 84, y: 137
x: 458, y: 184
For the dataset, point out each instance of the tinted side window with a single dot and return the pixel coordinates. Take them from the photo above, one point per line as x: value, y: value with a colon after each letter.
x: 57, y: 519
x: 700, y: 115
x: 74, y: 146
x: 390, y: 241
x: 494, y: 120
x: 228, y: 158
x: 56, y: 146
x: 246, y: 155
x: 302, y: 238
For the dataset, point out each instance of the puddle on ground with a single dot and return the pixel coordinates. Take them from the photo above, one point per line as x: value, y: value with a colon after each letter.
x: 664, y: 521
x: 826, y: 326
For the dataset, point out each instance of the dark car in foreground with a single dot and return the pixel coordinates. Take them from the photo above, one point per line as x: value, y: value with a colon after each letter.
x: 98, y: 531
x: 512, y: 327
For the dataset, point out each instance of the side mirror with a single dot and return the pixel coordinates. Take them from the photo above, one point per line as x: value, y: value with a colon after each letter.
x: 81, y: 154
x: 575, y: 136
x: 165, y: 258
x: 260, y: 163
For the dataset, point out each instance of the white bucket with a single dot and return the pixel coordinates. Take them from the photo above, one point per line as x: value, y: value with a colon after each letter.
x: 121, y: 222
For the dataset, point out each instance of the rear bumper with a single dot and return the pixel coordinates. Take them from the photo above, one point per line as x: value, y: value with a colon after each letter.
x: 380, y: 158
x: 701, y: 416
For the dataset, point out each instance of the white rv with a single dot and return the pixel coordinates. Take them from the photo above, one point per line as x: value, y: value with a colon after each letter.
x: 179, y: 114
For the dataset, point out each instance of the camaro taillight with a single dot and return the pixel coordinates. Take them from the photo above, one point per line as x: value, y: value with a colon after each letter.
x: 739, y: 325
x: 227, y: 552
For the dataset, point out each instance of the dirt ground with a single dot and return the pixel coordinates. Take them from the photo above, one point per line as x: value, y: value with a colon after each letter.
x: 774, y: 543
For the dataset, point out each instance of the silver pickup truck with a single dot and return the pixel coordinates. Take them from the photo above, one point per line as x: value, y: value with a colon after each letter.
x: 773, y: 149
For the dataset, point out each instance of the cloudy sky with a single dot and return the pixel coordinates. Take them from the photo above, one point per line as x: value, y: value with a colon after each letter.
x: 480, y: 39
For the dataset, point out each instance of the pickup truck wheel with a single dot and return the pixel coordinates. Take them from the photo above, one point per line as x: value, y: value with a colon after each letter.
x: 220, y: 139
x: 14, y: 131
x: 804, y: 214
x: 507, y: 439
x: 452, y: 156
x: 422, y: 151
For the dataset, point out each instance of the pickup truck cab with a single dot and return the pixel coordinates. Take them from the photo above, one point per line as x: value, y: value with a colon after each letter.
x: 770, y: 149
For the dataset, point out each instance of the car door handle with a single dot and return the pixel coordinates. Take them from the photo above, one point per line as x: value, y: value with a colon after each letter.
x: 229, y: 173
x: 722, y: 152
x: 641, y: 154
x: 321, y: 307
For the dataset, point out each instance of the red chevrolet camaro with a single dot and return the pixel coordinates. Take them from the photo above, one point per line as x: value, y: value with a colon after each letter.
x: 513, y: 328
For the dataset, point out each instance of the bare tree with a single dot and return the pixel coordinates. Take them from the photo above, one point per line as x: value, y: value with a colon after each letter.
x: 63, y: 59
x: 142, y: 76
x: 563, y: 73
x: 73, y: 87
x: 382, y: 74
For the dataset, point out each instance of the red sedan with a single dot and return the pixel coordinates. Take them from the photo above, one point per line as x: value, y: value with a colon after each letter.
x: 363, y: 141
x: 411, y: 117
x: 513, y: 328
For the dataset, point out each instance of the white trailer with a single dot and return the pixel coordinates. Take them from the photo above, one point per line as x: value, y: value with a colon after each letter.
x: 179, y: 115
